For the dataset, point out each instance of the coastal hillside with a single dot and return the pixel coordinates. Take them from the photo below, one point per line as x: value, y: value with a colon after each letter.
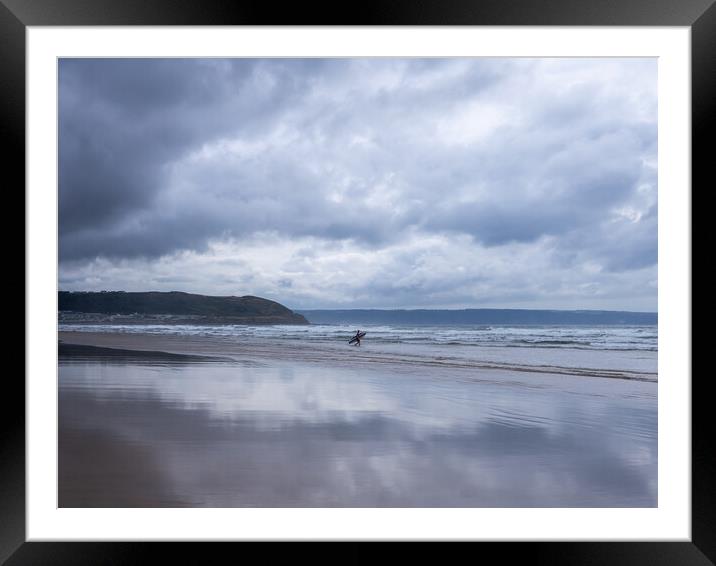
x: 172, y: 307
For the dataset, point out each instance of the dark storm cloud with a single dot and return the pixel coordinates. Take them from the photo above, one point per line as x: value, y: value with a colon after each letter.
x: 163, y: 157
x: 123, y: 121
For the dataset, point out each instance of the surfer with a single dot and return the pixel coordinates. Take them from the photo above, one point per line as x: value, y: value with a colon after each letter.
x: 357, y: 337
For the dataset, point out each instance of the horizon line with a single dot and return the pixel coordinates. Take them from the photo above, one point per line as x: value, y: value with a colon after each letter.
x: 469, y: 309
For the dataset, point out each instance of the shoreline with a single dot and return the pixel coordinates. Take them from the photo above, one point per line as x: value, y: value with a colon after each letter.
x: 263, y: 350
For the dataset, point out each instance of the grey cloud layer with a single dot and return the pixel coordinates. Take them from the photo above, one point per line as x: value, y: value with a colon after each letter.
x: 158, y: 157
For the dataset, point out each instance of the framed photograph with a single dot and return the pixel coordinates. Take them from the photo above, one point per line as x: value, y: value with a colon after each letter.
x: 420, y: 276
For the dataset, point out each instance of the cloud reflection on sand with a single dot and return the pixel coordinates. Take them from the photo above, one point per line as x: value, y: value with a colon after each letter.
x: 224, y: 435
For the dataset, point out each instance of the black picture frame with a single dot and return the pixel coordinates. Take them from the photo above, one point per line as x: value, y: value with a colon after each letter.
x: 17, y: 15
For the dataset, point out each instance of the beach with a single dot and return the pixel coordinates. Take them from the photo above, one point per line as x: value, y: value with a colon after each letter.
x: 169, y: 418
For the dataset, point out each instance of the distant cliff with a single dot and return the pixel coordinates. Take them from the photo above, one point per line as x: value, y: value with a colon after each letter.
x: 478, y: 316
x: 173, y: 308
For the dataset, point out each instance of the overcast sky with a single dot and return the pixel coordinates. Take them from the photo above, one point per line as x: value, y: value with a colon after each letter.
x: 348, y: 183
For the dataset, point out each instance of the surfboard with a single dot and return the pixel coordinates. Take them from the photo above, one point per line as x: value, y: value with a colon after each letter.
x: 355, y: 338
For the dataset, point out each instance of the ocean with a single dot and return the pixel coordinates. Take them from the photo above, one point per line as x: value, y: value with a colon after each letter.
x: 617, y: 337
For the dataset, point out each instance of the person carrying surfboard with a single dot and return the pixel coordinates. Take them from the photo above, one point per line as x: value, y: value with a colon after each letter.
x: 357, y: 337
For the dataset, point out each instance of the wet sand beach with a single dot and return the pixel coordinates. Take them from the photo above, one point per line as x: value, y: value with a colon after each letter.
x: 170, y: 421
